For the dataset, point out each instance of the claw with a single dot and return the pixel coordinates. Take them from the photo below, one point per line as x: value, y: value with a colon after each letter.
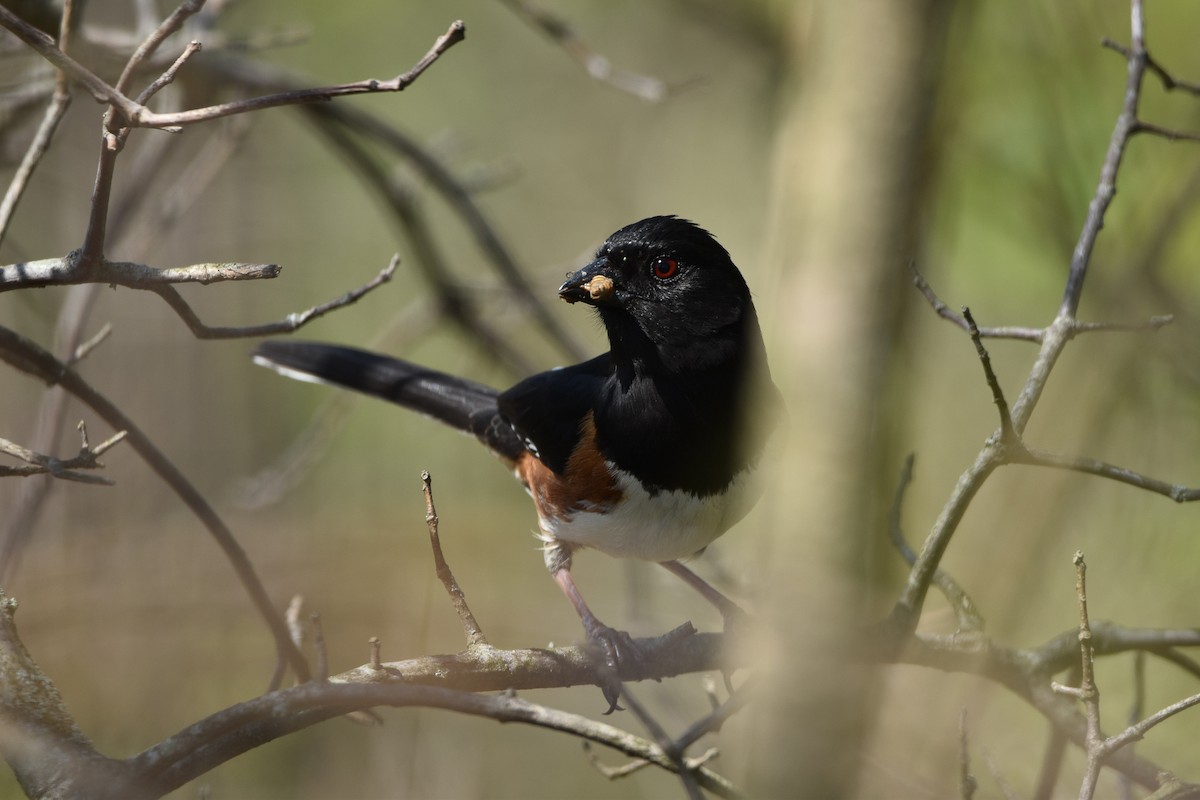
x: 616, y: 648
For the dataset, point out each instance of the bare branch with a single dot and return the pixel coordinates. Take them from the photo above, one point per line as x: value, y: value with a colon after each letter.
x: 70, y: 270
x: 475, y: 637
x: 613, y: 773
x: 1030, y: 334
x: 712, y: 722
x: 133, y: 114
x: 63, y: 469
x: 1170, y: 134
x: 198, y: 748
x: 1008, y: 435
x: 170, y: 25
x: 1169, y: 81
x: 455, y: 304
x: 291, y: 322
x: 1138, y: 731
x: 1090, y: 466
x: 162, y: 81
x: 1106, y: 187
x: 946, y: 313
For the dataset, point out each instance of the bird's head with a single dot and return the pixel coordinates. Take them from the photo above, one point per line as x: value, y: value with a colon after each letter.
x: 668, y: 294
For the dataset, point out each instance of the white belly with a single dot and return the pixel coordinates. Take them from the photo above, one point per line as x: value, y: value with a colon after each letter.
x: 667, y: 526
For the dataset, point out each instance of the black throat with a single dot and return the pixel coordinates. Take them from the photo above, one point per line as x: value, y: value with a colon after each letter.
x: 682, y: 427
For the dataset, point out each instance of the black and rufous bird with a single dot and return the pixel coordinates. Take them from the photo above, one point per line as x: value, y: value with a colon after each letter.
x: 644, y: 452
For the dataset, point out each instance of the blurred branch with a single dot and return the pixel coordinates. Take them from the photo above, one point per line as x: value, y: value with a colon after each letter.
x: 597, y: 65
x: 55, y: 111
x: 270, y: 484
x: 29, y: 358
x: 1028, y: 674
x: 40, y: 740
x: 452, y: 301
x: 965, y: 611
x: 464, y: 206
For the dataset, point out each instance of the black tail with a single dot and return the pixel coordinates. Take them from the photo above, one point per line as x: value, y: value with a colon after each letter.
x: 464, y: 405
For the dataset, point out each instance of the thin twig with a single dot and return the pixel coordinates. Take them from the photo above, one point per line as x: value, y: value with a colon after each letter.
x: 57, y: 109
x: 135, y: 115
x: 945, y: 312
x: 1030, y: 334
x: 1169, y: 81
x: 1090, y: 466
x: 170, y: 25
x: 966, y: 781
x: 321, y: 669
x: 168, y: 77
x: 1170, y: 134
x: 1106, y: 187
x: 690, y: 785
x: 54, y: 272
x: 474, y: 633
x: 613, y: 773
x: 1008, y: 435
x: 1002, y: 783
x: 63, y: 469
x: 710, y: 723
x: 1087, y: 692
x: 1136, y: 710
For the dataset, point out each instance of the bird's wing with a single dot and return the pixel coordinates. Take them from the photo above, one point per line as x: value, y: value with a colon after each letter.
x: 547, y: 410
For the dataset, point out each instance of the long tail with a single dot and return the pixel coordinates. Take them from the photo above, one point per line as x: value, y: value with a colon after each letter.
x: 462, y: 404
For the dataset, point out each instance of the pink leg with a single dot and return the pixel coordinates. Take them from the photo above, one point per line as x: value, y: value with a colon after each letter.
x: 617, y: 646
x: 727, y: 607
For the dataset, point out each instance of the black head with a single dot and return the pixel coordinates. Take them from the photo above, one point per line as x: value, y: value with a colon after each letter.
x: 668, y: 294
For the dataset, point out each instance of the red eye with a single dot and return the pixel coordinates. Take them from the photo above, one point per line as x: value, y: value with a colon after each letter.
x: 664, y: 268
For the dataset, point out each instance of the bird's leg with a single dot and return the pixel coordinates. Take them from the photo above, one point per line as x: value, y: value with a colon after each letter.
x: 730, y: 611
x: 616, y: 646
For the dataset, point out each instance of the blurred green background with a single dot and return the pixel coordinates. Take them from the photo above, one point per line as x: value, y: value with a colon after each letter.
x: 130, y: 608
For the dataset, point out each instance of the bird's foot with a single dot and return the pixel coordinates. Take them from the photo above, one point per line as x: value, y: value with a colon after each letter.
x: 615, y: 649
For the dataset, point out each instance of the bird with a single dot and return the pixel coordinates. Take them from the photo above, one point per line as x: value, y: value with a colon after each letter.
x: 648, y: 451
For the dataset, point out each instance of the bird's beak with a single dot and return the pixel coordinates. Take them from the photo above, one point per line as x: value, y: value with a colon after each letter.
x: 592, y: 285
